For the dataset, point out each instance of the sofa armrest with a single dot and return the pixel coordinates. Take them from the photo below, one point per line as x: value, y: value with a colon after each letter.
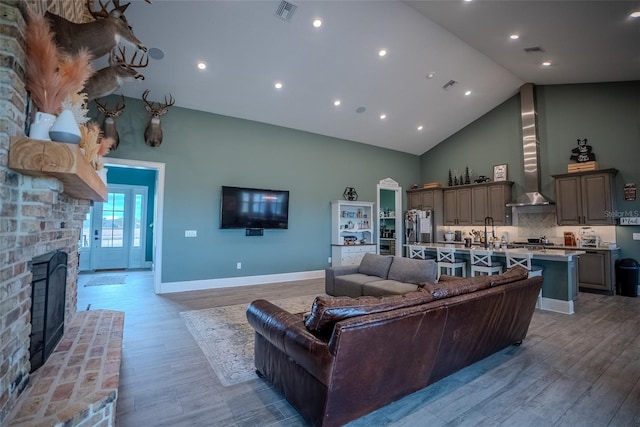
x: 447, y: 278
x: 287, y: 332
x: 332, y: 272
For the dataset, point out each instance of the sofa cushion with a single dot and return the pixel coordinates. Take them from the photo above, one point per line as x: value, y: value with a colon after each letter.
x: 452, y: 288
x: 511, y: 275
x: 327, y: 310
x: 351, y: 284
x: 414, y: 271
x: 375, y: 265
x: 387, y: 287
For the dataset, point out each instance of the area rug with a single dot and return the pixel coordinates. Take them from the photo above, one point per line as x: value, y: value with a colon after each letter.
x: 227, y: 339
x: 107, y: 280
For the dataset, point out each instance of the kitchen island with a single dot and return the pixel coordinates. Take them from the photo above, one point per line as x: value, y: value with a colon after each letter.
x: 560, y: 287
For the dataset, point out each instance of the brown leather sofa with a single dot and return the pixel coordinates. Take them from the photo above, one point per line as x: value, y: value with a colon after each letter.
x: 352, y: 356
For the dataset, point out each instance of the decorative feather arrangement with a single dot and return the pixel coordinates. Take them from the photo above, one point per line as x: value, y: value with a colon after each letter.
x: 94, y: 145
x: 52, y: 77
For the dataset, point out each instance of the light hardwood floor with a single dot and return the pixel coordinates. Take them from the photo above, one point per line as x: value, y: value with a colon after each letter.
x: 572, y: 370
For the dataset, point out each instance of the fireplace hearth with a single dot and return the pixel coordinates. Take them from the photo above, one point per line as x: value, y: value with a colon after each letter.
x: 48, y: 289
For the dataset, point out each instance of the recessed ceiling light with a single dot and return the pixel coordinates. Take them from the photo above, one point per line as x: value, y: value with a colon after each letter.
x: 635, y: 14
x: 383, y: 116
x: 382, y: 52
x: 468, y: 1
x: 546, y: 63
x: 467, y: 93
x: 514, y: 36
x: 201, y: 65
x: 278, y: 85
x: 431, y: 75
x: 337, y: 102
x: 317, y: 23
x: 420, y: 127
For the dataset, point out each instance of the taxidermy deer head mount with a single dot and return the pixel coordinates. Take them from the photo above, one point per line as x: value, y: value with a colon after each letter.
x: 153, y: 131
x: 108, y: 127
x: 99, y: 36
x: 107, y: 80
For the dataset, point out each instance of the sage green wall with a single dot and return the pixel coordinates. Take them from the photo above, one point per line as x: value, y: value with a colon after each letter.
x: 204, y: 151
x: 607, y: 114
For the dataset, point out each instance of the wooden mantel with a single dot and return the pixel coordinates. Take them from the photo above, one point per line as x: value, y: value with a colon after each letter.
x: 59, y: 160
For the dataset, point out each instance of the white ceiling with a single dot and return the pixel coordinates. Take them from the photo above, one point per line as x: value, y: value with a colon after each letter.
x: 247, y: 49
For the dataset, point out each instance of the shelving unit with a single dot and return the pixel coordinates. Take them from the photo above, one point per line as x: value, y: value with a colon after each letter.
x: 58, y: 160
x: 352, y: 231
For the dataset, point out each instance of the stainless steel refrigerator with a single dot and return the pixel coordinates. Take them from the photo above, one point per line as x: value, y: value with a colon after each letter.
x: 419, y: 226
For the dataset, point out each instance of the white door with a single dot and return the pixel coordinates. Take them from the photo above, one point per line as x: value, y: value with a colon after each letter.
x: 118, y: 231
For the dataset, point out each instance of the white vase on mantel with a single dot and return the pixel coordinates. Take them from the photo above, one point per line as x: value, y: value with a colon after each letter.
x: 65, y: 128
x: 40, y: 126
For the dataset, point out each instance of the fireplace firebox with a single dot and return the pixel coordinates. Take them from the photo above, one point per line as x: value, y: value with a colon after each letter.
x: 48, y: 289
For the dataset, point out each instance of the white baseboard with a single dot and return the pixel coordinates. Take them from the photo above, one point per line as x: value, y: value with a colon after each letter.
x: 228, y: 282
x: 559, y: 306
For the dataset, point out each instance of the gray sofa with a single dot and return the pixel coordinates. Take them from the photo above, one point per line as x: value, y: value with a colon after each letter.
x: 379, y: 275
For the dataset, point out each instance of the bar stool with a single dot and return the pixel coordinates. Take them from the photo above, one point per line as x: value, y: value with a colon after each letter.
x: 524, y: 260
x: 446, y: 258
x: 418, y: 252
x: 481, y: 262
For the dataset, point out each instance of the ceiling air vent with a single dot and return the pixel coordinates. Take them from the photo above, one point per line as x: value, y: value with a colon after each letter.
x: 286, y: 10
x: 449, y: 84
x: 534, y: 49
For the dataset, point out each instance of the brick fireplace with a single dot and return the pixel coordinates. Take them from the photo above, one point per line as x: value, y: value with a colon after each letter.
x: 36, y: 217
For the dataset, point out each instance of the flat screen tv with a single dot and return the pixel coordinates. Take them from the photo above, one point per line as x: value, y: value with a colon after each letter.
x: 254, y: 208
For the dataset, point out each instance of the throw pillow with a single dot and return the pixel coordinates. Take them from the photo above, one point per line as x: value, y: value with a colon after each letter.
x: 511, y: 275
x: 454, y: 288
x: 375, y: 265
x: 414, y: 271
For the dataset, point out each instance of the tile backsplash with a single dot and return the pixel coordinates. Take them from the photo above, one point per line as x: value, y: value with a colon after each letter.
x: 535, y: 222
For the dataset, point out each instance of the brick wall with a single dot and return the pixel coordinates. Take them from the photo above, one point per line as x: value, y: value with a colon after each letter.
x: 35, y: 216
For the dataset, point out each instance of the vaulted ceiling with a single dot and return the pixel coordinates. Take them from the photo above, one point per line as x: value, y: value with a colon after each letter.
x: 446, y: 64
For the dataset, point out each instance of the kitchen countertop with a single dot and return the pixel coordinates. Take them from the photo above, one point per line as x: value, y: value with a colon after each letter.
x: 542, y: 254
x: 578, y: 248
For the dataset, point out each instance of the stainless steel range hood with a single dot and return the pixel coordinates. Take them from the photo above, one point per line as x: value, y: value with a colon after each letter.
x: 531, y: 159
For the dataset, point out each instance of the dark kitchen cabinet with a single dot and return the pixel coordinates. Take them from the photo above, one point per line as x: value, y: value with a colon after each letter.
x: 596, y: 270
x: 423, y: 199
x: 457, y: 206
x: 585, y: 198
x: 491, y: 200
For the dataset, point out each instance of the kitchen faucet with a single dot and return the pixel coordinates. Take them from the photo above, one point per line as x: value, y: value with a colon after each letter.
x: 489, y: 221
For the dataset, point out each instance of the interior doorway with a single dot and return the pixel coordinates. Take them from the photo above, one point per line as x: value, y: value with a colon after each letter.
x: 390, y: 222
x: 153, y: 245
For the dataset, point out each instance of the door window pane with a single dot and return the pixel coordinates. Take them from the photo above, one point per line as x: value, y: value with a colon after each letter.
x: 137, y: 220
x: 113, y: 221
x: 85, y: 235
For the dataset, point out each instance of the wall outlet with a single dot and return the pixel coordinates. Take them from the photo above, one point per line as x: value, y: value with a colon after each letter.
x: 636, y: 236
x: 329, y: 260
x: 190, y: 233
x: 239, y: 265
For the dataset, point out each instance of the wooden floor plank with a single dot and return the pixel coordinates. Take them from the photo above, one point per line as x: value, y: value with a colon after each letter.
x: 581, y: 369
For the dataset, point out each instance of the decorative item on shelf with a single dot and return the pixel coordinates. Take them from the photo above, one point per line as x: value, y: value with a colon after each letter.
x: 461, y: 180
x: 94, y: 145
x: 476, y: 234
x: 455, y: 180
x: 467, y: 177
x: 40, y: 126
x: 350, y: 194
x: 481, y: 178
x: 50, y: 75
x: 414, y: 187
x: 582, y: 153
x: 500, y: 172
x: 450, y: 179
x: 65, y: 128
